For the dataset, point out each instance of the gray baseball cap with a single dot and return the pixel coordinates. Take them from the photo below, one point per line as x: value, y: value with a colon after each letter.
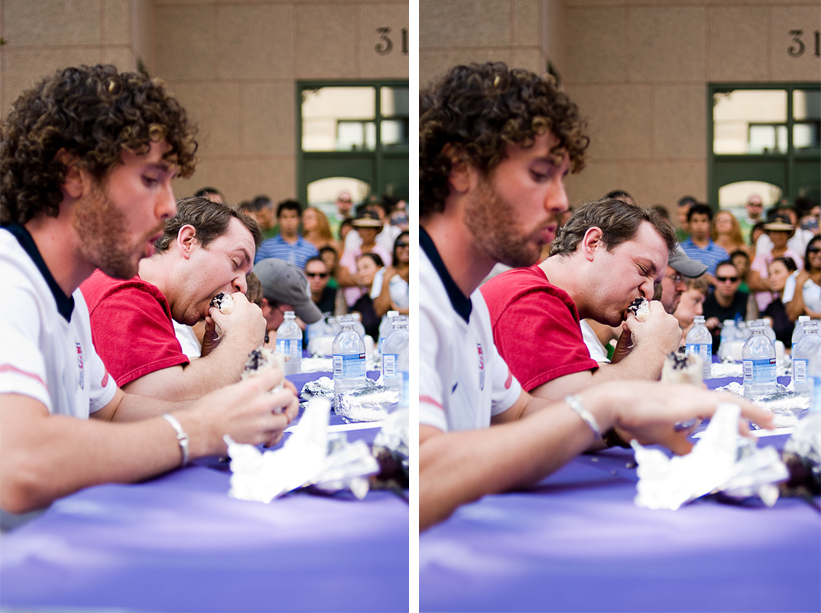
x: 684, y: 264
x: 283, y: 282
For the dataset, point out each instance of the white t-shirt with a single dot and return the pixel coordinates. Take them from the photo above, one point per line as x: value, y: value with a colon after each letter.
x: 812, y: 293
x: 385, y: 239
x: 398, y: 288
x: 597, y: 351
x: 43, y: 354
x: 463, y: 380
x: 189, y: 342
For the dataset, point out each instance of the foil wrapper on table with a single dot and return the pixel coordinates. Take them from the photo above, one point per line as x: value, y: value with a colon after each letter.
x: 392, y: 448
x: 786, y: 406
x: 802, y: 455
x: 721, y: 461
x: 371, y: 402
x: 318, y: 388
x: 308, y: 457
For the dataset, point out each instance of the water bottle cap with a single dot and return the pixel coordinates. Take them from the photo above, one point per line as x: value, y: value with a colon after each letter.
x: 290, y: 315
x: 757, y: 325
x: 699, y: 319
x: 396, y: 314
x: 729, y: 322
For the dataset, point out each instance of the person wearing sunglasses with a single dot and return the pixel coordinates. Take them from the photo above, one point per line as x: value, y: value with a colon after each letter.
x: 727, y: 301
x: 323, y: 295
x: 802, y: 291
x: 391, y: 289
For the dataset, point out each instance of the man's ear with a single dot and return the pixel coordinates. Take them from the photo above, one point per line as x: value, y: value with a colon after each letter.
x: 592, y: 242
x: 76, y: 181
x: 459, y: 178
x: 187, y: 240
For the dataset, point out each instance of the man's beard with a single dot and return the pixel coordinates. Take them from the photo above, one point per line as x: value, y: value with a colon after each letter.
x: 103, y: 232
x: 491, y: 219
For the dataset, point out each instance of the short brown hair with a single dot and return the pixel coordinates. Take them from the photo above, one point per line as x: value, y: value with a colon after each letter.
x: 254, y: 293
x: 619, y: 222
x: 92, y: 113
x: 210, y: 220
x: 480, y: 109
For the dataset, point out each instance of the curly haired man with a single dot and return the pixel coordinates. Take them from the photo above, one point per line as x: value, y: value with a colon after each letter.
x: 495, y: 147
x: 86, y: 162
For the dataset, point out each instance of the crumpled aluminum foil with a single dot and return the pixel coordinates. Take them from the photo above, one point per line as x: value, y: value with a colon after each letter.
x: 786, y: 406
x: 394, y: 437
x: 308, y: 457
x: 714, y: 465
x: 371, y: 402
x: 322, y: 387
x: 802, y: 454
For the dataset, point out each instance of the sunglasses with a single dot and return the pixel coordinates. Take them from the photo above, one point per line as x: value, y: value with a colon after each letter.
x: 725, y: 279
x: 401, y: 245
x: 321, y: 275
x: 814, y: 249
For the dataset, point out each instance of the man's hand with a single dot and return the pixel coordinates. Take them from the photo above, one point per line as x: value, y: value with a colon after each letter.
x: 210, y: 339
x: 648, y: 411
x: 244, y: 411
x: 661, y: 329
x: 244, y: 324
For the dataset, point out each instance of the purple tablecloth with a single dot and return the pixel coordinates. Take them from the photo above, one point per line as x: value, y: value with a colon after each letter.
x: 577, y: 542
x: 179, y: 543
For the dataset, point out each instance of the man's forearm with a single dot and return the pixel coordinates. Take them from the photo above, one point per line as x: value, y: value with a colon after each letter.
x: 456, y: 468
x: 221, y: 367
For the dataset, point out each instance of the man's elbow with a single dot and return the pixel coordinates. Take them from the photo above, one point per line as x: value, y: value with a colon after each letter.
x: 22, y: 489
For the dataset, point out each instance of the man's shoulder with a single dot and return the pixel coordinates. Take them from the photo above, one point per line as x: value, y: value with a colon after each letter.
x: 517, y: 284
x: 99, y: 287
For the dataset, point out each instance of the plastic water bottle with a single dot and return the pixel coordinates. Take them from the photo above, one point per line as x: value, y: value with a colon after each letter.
x: 348, y: 359
x: 814, y: 374
x: 396, y: 359
x: 806, y: 349
x: 289, y: 342
x: 700, y: 341
x: 758, y: 358
x: 315, y: 330
x: 768, y: 329
x: 729, y: 333
x: 798, y: 331
x: 357, y: 322
x: 385, y: 328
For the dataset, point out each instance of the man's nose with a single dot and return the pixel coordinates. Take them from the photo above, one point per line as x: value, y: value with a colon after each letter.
x: 166, y: 203
x: 556, y: 200
x: 647, y: 289
x: 240, y: 284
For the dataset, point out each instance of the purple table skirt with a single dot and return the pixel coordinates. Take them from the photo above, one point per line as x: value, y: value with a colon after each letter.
x: 179, y: 543
x: 577, y: 542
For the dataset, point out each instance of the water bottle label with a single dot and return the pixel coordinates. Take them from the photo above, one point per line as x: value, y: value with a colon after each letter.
x: 815, y: 395
x: 702, y: 350
x: 291, y: 347
x: 759, y: 372
x: 349, y: 366
x: 405, y: 389
x: 799, y: 370
x: 389, y: 365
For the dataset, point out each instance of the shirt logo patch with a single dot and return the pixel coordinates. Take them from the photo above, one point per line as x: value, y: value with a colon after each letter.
x: 481, y: 366
x: 80, y: 365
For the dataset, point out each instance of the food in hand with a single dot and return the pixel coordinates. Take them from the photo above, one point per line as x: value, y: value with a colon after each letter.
x: 680, y: 368
x: 640, y: 307
x: 223, y: 302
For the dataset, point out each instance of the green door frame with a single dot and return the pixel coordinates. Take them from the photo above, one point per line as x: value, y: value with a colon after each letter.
x: 721, y: 168
x: 368, y: 166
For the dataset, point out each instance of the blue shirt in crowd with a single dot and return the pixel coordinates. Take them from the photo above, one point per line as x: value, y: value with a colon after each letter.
x: 711, y: 255
x: 297, y: 253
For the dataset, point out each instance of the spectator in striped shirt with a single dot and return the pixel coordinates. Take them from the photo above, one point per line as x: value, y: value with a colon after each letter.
x: 288, y: 245
x: 700, y: 246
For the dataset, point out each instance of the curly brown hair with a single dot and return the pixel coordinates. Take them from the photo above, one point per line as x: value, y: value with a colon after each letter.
x: 92, y: 113
x: 619, y: 222
x: 209, y: 219
x: 480, y: 109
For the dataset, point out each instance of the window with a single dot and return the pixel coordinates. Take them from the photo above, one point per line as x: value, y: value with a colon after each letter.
x: 764, y: 135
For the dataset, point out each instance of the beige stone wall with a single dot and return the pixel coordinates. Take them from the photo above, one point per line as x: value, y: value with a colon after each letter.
x: 232, y: 63
x: 639, y: 71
